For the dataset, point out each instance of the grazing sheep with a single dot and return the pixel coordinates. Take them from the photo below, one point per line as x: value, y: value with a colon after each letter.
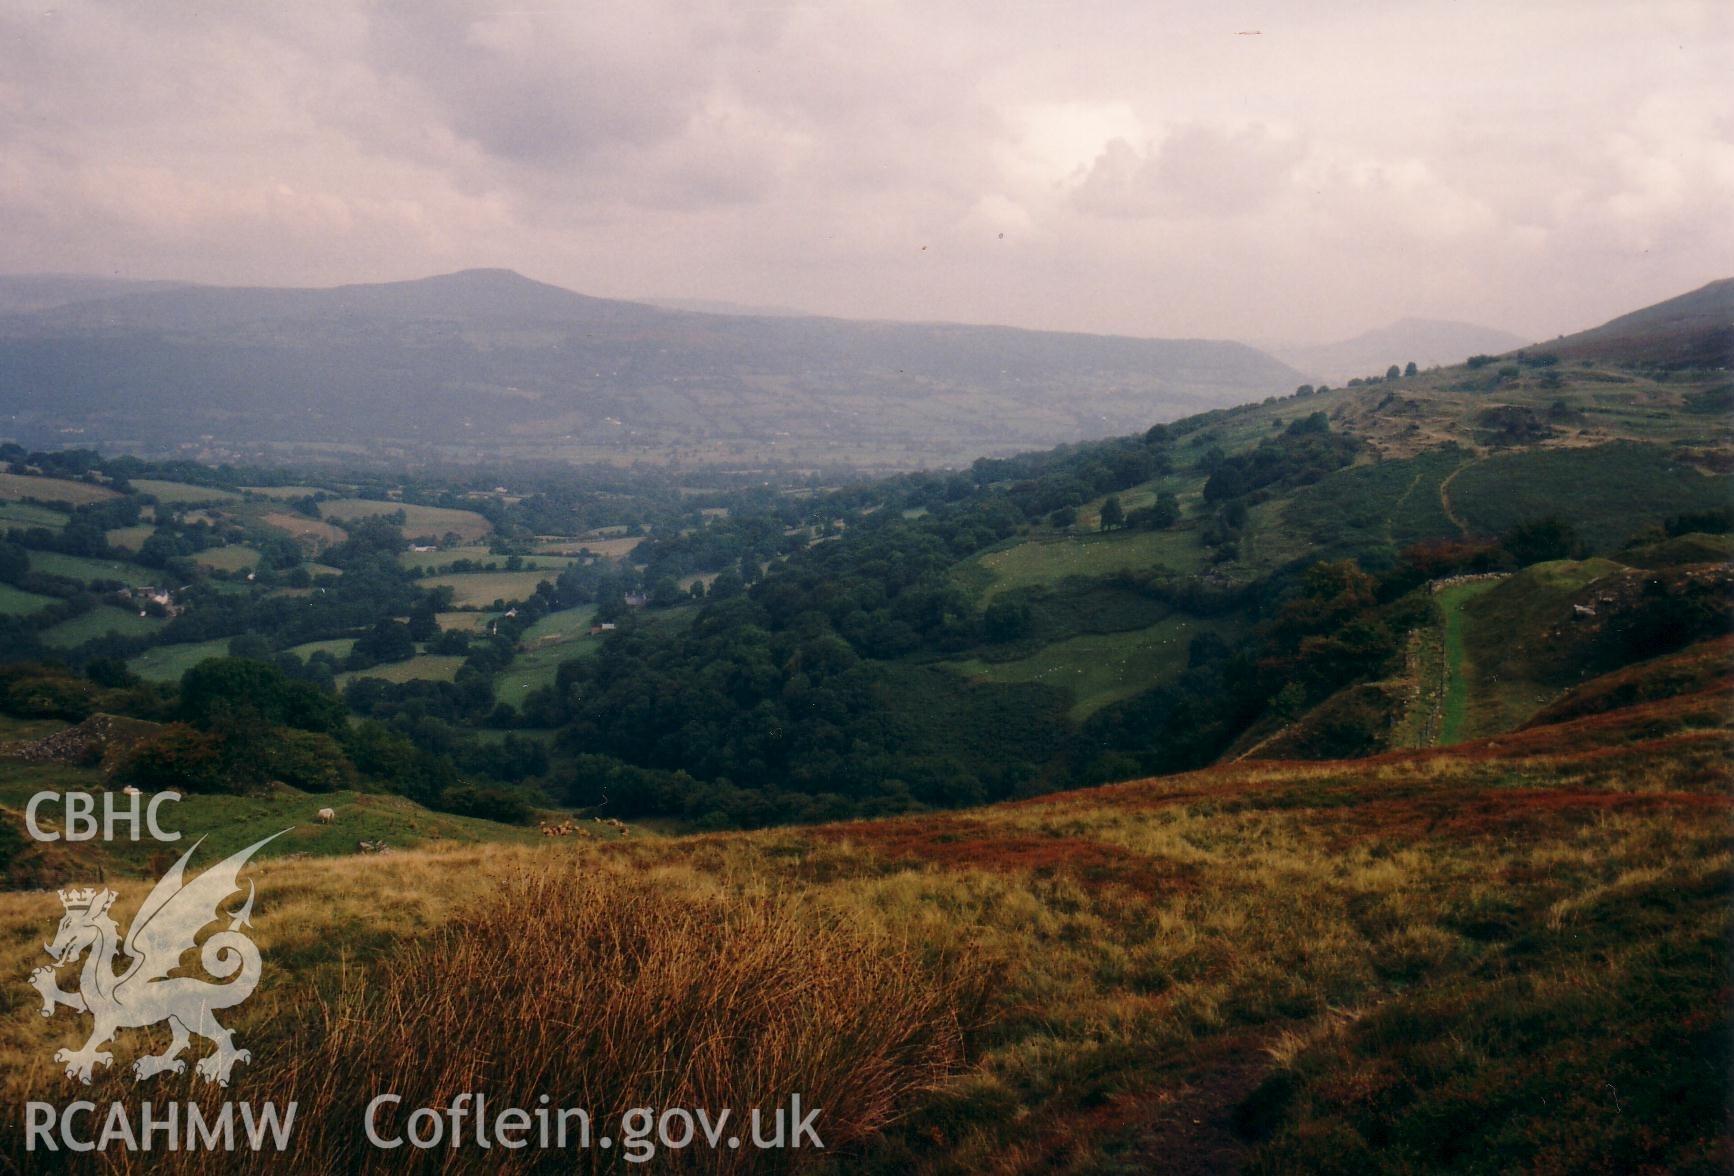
x: 131, y: 791
x: 327, y: 816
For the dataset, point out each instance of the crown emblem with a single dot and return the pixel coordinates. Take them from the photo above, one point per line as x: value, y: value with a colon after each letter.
x: 78, y: 900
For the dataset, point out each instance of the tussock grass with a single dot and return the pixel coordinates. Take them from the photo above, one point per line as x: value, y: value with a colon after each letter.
x: 609, y: 988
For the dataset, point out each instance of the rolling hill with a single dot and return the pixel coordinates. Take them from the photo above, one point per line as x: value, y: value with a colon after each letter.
x: 1425, y: 342
x: 488, y: 362
x: 1695, y: 330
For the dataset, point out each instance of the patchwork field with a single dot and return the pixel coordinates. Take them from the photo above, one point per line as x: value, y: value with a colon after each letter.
x: 285, y: 493
x: 21, y: 486
x: 1097, y: 669
x: 18, y: 603
x: 166, y: 663
x: 424, y: 667
x: 184, y: 493
x: 609, y: 547
x: 75, y: 567
x: 28, y: 514
x: 427, y: 562
x: 337, y: 647
x: 315, y: 533
x: 99, y: 622
x: 482, y: 589
x: 131, y: 538
x: 235, y: 557
x: 555, y: 638
x: 465, y: 622
x: 434, y: 521
x: 1048, y: 560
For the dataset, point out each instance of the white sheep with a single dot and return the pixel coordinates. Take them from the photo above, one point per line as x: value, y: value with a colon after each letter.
x: 327, y: 816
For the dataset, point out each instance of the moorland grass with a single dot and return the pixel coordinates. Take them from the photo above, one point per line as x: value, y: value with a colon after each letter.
x: 1421, y: 961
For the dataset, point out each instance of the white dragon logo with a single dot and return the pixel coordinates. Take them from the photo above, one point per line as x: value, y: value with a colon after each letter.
x: 166, y: 927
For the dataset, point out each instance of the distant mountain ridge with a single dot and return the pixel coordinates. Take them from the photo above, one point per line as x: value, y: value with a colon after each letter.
x: 488, y: 361
x: 721, y: 306
x: 23, y: 293
x: 1424, y: 342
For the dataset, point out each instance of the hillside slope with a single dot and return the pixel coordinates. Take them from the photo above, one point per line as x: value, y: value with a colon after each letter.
x: 1390, y: 964
x: 1695, y: 330
x: 486, y: 361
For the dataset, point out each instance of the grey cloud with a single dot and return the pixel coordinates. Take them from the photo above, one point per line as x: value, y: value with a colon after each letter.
x: 1198, y: 170
x: 1112, y: 166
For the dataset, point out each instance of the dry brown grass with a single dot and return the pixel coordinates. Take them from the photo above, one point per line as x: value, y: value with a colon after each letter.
x: 608, y: 988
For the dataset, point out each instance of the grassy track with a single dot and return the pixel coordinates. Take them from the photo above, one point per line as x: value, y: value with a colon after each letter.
x: 1456, y: 705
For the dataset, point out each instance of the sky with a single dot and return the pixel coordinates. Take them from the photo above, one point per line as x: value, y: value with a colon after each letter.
x: 1270, y: 172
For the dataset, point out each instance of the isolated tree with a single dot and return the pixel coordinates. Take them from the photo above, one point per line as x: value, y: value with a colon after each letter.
x: 1394, y: 372
x: 1166, y: 512
x: 1410, y: 370
x: 1113, y: 514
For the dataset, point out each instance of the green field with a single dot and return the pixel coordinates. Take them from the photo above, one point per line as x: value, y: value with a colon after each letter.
x: 17, y: 486
x: 481, y: 589
x: 418, y: 520
x: 611, y: 547
x: 75, y: 567
x: 338, y: 647
x: 1457, y: 686
x: 99, y: 622
x: 555, y: 638
x: 1049, y: 560
x: 234, y: 557
x: 131, y: 538
x: 428, y: 562
x: 425, y: 667
x: 183, y: 493
x: 231, y: 822
x: 284, y: 493
x: 166, y: 663
x: 313, y: 533
x: 1099, y: 668
x: 1521, y: 648
x: 465, y: 622
x: 28, y: 514
x: 15, y: 602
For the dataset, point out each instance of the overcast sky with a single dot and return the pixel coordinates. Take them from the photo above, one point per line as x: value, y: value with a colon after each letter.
x: 1293, y: 171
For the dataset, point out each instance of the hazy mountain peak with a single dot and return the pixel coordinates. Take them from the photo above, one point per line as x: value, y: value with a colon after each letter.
x: 1422, y: 341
